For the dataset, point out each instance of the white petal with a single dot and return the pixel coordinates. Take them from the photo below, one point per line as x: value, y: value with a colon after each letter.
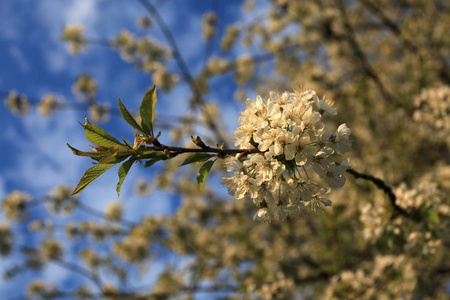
x: 289, y: 151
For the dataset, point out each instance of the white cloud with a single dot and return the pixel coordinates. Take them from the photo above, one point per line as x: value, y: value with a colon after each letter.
x: 82, y: 11
x: 43, y: 157
x: 53, y: 16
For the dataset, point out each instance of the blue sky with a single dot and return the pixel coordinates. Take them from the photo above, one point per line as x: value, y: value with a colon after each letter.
x: 33, y: 61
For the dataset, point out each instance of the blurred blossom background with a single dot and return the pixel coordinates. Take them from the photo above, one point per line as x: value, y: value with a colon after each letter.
x: 384, y: 64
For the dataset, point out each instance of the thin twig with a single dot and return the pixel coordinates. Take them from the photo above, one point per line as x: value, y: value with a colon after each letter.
x: 384, y: 187
x: 99, y: 41
x: 162, y: 120
x: 359, y: 54
x: 97, y: 213
x: 206, y: 149
x: 66, y: 265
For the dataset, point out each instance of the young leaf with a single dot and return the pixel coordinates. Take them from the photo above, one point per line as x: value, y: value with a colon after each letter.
x: 97, y: 135
x: 154, y: 155
x: 127, y: 143
x: 90, y: 175
x: 197, y: 157
x: 128, y: 117
x: 112, y: 159
x: 203, y: 172
x: 93, y: 155
x: 147, y: 111
x: 151, y: 162
x: 123, y: 171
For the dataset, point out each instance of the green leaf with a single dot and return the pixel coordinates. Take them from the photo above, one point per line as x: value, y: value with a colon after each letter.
x: 156, y: 155
x: 123, y: 171
x: 153, y: 155
x: 147, y: 111
x: 151, y: 162
x: 203, y: 172
x: 127, y: 143
x: 93, y: 155
x: 90, y: 175
x: 112, y: 159
x: 128, y: 117
x: 97, y: 135
x: 432, y: 218
x: 197, y: 157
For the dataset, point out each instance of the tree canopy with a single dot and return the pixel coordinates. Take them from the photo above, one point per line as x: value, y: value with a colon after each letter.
x: 353, y: 92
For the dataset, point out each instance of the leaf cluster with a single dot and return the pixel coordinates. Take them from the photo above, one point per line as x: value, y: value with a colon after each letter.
x: 110, y: 151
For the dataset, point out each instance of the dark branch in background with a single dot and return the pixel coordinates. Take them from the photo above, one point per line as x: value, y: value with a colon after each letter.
x: 99, y: 214
x: 445, y: 71
x: 98, y: 41
x: 83, y: 207
x: 136, y: 294
x: 382, y: 186
x: 162, y: 121
x: 182, y: 65
x: 389, y: 24
x: 359, y: 54
x: 66, y: 265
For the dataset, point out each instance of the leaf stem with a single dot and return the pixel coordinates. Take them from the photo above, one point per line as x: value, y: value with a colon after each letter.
x: 206, y: 149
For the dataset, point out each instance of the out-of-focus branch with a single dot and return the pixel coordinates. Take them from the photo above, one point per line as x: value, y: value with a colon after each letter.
x: 389, y: 24
x: 163, y: 121
x: 359, y: 54
x: 384, y: 187
x: 66, y: 265
x: 99, y: 214
x: 199, y: 99
x: 445, y: 73
x: 98, y: 41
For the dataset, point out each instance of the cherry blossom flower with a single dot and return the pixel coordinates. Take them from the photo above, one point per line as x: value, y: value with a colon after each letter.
x: 286, y: 136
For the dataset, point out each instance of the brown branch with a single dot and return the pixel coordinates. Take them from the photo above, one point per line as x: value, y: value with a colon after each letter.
x: 205, y: 149
x: 384, y: 187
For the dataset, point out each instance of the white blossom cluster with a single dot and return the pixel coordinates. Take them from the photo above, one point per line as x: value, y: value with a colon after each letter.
x: 291, y: 169
x: 395, y: 274
x: 75, y: 36
x: 18, y: 105
x: 432, y: 107
x: 48, y: 105
x: 425, y: 195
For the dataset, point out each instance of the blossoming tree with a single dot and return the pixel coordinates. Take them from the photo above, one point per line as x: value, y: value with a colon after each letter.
x: 342, y: 199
